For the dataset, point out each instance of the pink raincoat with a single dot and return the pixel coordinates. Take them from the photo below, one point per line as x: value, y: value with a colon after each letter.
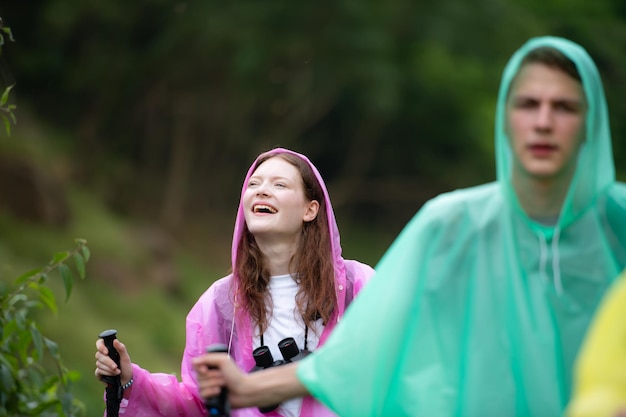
x: 216, y: 318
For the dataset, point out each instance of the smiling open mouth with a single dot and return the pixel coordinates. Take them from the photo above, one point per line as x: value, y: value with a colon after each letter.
x: 261, y: 208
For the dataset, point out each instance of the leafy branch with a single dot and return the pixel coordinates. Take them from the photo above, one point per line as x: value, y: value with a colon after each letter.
x: 27, y: 388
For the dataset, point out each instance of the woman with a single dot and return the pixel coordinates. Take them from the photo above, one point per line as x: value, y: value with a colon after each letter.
x: 288, y: 280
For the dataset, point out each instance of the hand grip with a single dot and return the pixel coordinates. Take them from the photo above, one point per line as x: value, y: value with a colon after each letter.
x: 218, y: 406
x: 114, y: 384
x: 109, y: 336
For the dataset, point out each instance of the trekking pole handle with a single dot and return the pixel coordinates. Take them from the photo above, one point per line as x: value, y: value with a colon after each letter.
x: 109, y: 336
x: 218, y: 406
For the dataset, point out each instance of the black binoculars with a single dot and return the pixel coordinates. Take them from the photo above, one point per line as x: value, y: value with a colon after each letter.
x: 263, y: 359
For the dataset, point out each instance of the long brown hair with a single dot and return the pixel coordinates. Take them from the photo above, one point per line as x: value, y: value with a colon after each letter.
x: 313, y: 260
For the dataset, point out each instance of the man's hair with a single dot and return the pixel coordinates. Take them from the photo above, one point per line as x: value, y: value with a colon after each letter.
x: 553, y: 58
x: 313, y: 260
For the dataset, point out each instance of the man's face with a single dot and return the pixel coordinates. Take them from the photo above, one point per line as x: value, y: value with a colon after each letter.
x: 545, y: 111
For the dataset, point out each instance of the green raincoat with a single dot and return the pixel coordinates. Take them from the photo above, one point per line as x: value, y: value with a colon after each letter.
x: 477, y: 310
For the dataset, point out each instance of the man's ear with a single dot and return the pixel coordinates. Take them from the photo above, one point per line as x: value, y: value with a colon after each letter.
x: 311, y: 211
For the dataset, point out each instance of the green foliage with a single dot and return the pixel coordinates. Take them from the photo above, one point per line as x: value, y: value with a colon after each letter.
x: 6, y: 109
x: 33, y: 378
x: 374, y: 92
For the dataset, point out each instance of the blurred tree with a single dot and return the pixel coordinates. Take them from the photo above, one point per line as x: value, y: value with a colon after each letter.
x: 33, y: 378
x: 169, y: 101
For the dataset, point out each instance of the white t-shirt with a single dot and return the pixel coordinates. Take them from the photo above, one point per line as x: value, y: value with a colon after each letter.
x: 285, y: 322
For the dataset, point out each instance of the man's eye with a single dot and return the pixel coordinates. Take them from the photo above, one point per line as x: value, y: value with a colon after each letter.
x: 566, y: 107
x: 525, y: 104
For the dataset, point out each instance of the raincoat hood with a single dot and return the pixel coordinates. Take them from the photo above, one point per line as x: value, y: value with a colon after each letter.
x: 595, y: 170
x: 241, y: 317
x: 475, y: 309
x: 240, y: 222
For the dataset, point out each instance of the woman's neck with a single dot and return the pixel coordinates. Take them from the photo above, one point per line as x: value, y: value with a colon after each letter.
x: 278, y: 256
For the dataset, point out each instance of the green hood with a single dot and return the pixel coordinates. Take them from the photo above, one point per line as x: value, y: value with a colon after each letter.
x: 596, y: 169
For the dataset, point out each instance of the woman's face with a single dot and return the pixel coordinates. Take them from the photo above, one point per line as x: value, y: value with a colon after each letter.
x: 274, y: 202
x: 546, y: 112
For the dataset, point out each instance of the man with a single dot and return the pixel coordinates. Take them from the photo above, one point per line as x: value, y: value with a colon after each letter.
x: 480, y: 305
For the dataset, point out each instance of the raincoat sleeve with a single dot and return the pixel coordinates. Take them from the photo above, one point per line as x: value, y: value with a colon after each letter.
x: 163, y: 395
x: 372, y: 344
x: 600, y: 389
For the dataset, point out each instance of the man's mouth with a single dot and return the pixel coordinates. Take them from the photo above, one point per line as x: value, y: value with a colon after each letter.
x: 542, y: 149
x: 263, y: 208
x: 541, y: 146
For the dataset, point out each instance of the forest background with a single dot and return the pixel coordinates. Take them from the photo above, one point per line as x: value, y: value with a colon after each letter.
x: 137, y: 120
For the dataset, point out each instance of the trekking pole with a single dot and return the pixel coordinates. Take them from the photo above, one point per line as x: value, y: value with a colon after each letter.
x: 218, y: 406
x: 114, y: 383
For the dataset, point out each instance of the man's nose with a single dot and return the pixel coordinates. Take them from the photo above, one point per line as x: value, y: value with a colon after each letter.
x: 544, y: 118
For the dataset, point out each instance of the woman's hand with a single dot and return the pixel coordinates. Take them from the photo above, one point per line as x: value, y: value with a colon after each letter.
x: 216, y: 370
x: 258, y: 389
x: 107, y: 366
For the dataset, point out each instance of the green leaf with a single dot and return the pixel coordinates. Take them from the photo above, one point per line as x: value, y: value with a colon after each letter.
x: 37, y: 341
x: 53, y: 348
x: 47, y: 297
x: 80, y: 265
x: 59, y: 257
x: 86, y: 253
x: 9, y: 33
x: 7, y: 331
x: 68, y: 279
x: 7, y: 125
x: 24, y: 340
x: 13, y: 118
x: 24, y: 277
x: 73, y: 376
x: 16, y: 299
x: 5, y: 95
x: 6, y: 379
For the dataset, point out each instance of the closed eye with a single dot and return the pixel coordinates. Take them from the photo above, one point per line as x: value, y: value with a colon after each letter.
x: 525, y: 103
x: 568, y: 106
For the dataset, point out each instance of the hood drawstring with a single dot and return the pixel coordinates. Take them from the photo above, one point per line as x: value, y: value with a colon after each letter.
x: 556, y: 267
x: 232, y: 326
x: 543, y: 258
